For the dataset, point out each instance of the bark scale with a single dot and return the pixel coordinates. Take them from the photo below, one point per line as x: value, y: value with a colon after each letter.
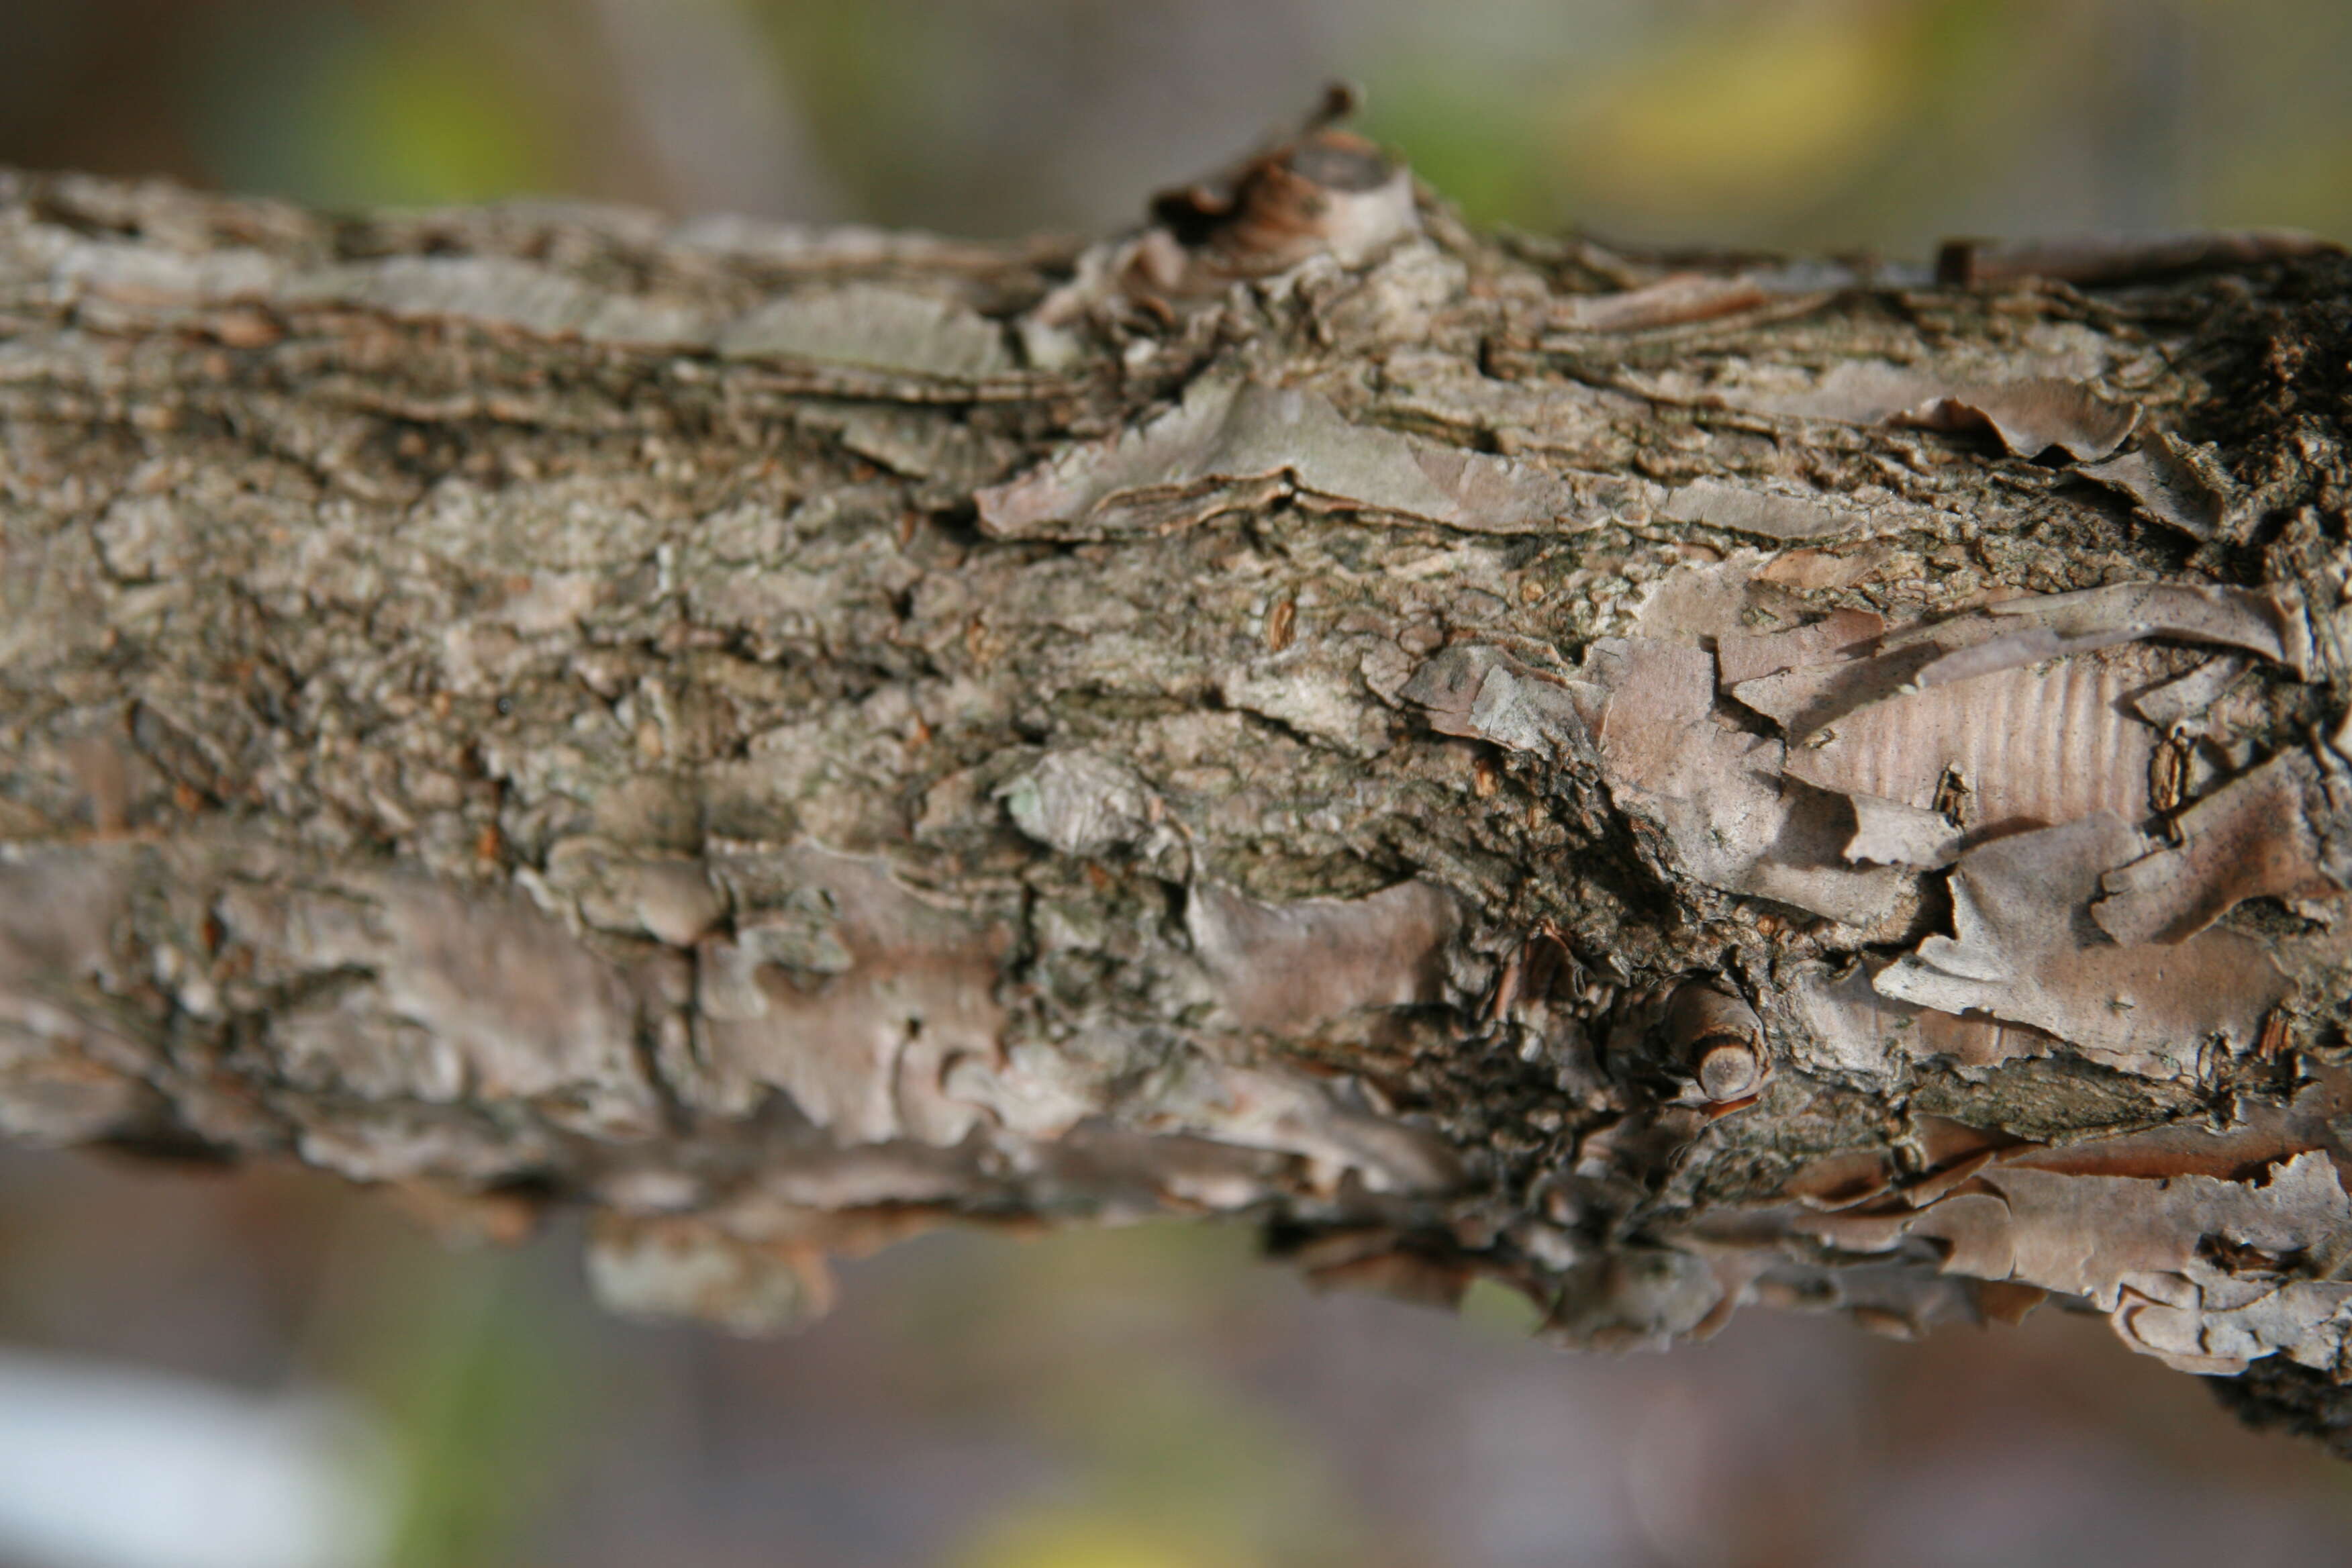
x: 1664, y: 783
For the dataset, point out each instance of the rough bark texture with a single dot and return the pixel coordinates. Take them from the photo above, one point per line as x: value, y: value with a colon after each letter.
x: 1661, y: 785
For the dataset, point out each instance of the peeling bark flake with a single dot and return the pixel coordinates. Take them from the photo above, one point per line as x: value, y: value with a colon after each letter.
x: 1230, y: 439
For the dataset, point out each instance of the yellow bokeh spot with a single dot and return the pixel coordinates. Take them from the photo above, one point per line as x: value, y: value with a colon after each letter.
x: 1076, y: 1538
x: 2307, y: 184
x: 431, y: 117
x: 1498, y: 1310
x: 1752, y: 120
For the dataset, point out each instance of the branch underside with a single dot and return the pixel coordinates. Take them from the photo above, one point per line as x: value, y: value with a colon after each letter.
x: 1664, y: 787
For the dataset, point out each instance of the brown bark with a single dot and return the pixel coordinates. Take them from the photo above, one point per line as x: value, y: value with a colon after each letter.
x: 1497, y: 757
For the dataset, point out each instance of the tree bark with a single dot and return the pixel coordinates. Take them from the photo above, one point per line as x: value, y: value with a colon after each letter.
x: 1659, y: 781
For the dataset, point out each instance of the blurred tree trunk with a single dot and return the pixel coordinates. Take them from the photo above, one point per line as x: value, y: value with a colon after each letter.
x: 1660, y: 783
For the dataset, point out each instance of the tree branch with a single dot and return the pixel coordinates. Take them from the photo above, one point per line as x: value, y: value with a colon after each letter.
x: 1663, y: 783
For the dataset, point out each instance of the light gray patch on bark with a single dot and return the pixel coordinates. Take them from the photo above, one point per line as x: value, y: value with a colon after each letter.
x: 143, y: 274
x: 872, y: 326
x: 1079, y: 804
x: 498, y: 292
x: 1323, y: 701
x: 1777, y: 514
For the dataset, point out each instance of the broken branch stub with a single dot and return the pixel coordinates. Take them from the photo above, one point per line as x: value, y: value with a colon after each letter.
x: 1662, y: 801
x: 1718, y: 1040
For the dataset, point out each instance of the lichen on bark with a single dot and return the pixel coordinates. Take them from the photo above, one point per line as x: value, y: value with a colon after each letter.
x: 1664, y: 783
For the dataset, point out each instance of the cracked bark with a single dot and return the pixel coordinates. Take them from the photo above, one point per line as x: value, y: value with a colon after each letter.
x: 1496, y: 757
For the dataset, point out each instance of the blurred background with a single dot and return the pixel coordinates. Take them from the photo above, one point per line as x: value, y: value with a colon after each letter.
x: 1885, y: 123
x: 263, y: 1370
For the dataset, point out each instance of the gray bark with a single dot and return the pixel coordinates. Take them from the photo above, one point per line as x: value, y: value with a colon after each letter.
x: 1500, y: 758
